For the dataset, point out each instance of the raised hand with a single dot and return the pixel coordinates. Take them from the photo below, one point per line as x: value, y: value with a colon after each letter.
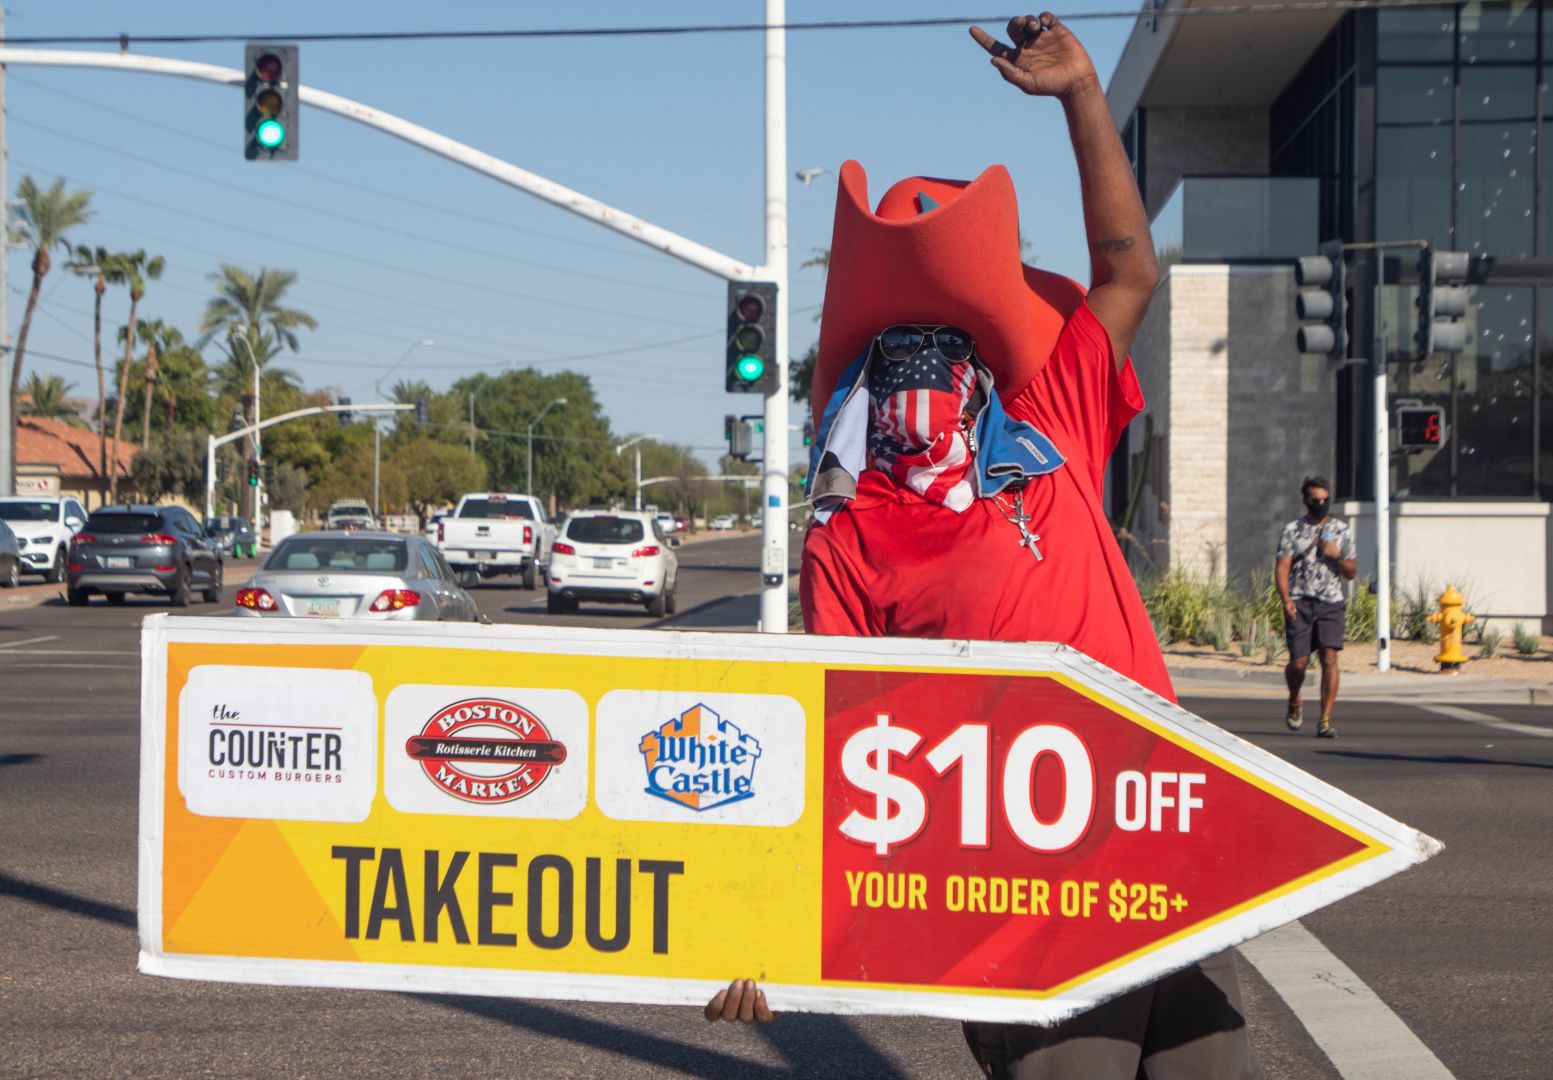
x: 1045, y: 59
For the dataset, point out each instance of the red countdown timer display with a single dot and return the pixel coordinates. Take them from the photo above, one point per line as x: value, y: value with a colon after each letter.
x: 1420, y: 427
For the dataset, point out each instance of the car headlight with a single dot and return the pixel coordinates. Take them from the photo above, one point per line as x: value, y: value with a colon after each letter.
x: 42, y: 540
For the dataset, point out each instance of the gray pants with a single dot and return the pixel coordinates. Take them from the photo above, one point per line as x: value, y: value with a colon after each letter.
x: 1186, y: 1026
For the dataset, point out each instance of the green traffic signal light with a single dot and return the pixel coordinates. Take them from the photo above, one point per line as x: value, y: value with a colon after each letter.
x: 270, y: 134
x: 751, y: 368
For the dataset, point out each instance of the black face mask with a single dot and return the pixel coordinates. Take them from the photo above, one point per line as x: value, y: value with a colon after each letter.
x: 1318, y: 507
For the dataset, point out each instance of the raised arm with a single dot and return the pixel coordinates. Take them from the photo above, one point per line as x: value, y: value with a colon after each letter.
x: 1046, y: 60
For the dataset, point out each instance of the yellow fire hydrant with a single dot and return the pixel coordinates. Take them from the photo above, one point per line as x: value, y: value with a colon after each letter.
x: 1452, y: 621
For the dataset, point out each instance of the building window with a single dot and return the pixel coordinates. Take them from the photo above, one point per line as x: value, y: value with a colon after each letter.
x: 1488, y: 393
x: 1496, y: 167
x: 1414, y: 121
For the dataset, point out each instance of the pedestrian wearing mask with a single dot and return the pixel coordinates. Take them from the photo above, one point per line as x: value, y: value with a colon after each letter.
x: 1316, y: 554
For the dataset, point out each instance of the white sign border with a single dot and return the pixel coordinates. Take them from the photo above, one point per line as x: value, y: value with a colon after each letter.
x: 1408, y: 846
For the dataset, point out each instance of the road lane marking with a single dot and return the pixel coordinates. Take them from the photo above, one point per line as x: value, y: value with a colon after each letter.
x: 28, y: 641
x: 1356, y: 1030
x: 70, y: 651
x: 1472, y: 716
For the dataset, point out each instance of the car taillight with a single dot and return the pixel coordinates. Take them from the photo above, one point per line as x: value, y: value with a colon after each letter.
x: 562, y: 549
x: 158, y: 538
x: 255, y: 599
x: 395, y: 600
x: 440, y: 536
x: 528, y: 534
x: 84, y: 538
x: 650, y: 549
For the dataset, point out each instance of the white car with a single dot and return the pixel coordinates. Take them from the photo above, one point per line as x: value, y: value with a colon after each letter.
x: 722, y: 523
x: 667, y: 522
x: 613, y: 557
x: 43, y: 525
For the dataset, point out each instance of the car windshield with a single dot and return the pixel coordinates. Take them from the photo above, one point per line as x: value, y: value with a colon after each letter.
x: 340, y: 555
x: 28, y: 511
x: 351, y: 510
x: 501, y: 509
x: 123, y: 523
x: 605, y: 530
x: 222, y: 523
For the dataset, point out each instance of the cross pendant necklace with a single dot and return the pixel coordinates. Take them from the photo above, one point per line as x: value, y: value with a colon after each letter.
x: 1020, y: 518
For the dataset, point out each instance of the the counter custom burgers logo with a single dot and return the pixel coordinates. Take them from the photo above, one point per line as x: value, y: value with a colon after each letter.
x: 700, y: 760
x: 486, y: 750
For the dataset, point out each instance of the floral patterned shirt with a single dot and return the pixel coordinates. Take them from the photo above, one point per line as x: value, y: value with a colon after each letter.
x: 1312, y: 575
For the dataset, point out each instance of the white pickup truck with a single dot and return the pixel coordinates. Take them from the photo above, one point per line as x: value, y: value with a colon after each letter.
x: 497, y: 533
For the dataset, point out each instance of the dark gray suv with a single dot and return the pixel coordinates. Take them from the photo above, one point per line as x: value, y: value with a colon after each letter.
x: 145, y: 549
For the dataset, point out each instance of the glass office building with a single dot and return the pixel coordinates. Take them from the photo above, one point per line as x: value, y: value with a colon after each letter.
x: 1405, y: 124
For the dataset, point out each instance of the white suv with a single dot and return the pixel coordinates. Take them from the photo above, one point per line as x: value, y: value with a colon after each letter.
x: 43, y: 525
x: 613, y: 557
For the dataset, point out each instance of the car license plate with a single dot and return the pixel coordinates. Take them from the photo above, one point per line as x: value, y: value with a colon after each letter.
x: 474, y: 554
x: 119, y: 562
x: 603, y: 564
x: 330, y: 608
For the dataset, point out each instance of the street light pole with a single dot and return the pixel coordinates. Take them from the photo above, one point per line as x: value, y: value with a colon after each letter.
x: 558, y: 401
x: 637, y: 470
x: 773, y: 538
x: 377, y: 430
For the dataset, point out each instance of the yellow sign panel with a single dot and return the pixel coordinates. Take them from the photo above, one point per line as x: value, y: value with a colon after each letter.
x: 643, y: 816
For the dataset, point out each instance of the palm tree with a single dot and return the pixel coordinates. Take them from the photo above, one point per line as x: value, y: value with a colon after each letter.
x: 132, y: 269
x: 49, y: 394
x: 92, y: 261
x: 248, y: 312
x: 43, y: 218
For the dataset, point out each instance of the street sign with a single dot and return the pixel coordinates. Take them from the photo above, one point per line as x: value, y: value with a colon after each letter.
x: 642, y: 816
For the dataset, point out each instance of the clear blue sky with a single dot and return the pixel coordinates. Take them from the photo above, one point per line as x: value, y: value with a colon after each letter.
x: 402, y: 245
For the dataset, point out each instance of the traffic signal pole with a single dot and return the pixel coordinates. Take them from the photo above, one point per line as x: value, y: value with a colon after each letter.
x: 1382, y: 478
x: 252, y: 430
x: 773, y: 521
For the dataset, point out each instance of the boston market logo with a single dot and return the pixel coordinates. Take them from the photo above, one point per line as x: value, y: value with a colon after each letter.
x: 485, y: 750
x: 700, y: 760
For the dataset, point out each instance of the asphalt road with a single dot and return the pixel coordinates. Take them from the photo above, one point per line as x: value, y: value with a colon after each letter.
x: 1461, y: 948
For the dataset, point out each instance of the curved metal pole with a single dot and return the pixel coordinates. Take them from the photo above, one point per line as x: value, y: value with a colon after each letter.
x: 697, y: 255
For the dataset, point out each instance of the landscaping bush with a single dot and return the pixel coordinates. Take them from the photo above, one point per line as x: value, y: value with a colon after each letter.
x: 1488, y: 640
x: 1527, y: 642
x: 1359, y: 621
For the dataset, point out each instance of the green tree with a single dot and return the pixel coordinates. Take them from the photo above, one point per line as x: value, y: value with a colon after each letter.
x: 249, y: 314
x: 170, y: 382
x: 93, y: 260
x: 42, y: 219
x: 131, y: 269
x: 49, y: 394
x: 175, y: 466
x: 435, y: 473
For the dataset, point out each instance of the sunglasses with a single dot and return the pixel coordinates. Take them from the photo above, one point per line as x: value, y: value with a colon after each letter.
x: 898, y: 343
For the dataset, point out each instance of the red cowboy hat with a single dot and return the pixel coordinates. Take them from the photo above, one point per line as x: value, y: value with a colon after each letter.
x: 938, y: 251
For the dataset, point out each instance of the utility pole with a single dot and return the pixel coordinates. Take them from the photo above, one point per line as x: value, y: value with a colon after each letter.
x: 7, y: 421
x: 1382, y: 477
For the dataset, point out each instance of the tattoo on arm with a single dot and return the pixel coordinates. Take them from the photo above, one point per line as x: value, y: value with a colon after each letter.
x: 1105, y: 247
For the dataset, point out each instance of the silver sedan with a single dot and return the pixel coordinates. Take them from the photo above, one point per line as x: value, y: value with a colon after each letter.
x: 357, y: 575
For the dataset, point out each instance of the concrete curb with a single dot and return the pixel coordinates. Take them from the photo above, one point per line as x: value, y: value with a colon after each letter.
x: 1368, y: 686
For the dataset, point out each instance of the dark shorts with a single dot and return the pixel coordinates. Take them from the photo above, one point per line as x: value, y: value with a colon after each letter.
x: 1316, y: 625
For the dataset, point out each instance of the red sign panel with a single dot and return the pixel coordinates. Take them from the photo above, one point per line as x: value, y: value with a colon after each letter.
x: 1015, y: 833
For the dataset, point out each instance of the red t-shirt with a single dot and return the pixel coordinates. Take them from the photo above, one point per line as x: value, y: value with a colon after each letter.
x: 892, y: 564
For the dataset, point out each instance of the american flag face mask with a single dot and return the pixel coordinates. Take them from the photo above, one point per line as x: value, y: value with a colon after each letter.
x: 920, y: 403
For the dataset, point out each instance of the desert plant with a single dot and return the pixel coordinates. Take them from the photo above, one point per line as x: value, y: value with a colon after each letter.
x: 1411, y: 606
x: 795, y: 616
x: 1254, y: 637
x: 1275, y: 646
x: 1359, y: 619
x: 1489, y: 640
x: 1182, y: 603
x: 1527, y: 642
x: 1219, y: 630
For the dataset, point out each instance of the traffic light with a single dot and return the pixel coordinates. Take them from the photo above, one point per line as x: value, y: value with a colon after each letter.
x: 752, y: 361
x: 1442, y: 299
x: 253, y: 472
x: 1420, y: 427
x: 269, y: 473
x: 1323, y: 302
x: 808, y: 432
x: 345, y: 417
x: 741, y: 441
x: 270, y: 111
x: 221, y: 468
x: 422, y: 411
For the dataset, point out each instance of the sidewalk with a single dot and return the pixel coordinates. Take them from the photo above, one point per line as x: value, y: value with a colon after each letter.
x: 1529, y: 682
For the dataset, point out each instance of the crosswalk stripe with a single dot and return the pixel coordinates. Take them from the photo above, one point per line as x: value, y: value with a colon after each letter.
x: 1356, y: 1030
x: 1472, y: 716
